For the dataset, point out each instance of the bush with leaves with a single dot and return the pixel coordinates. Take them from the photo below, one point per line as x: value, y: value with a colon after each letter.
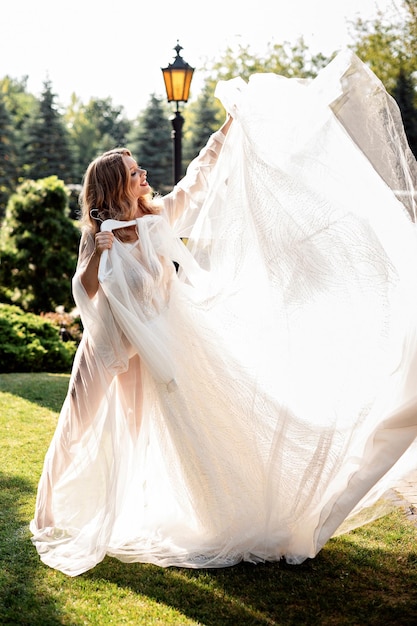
x: 38, y: 247
x: 30, y: 343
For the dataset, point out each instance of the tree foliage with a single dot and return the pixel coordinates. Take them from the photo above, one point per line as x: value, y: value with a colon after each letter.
x: 404, y: 94
x: 151, y: 145
x: 18, y: 101
x: 46, y: 151
x: 84, y: 136
x: 94, y: 128
x: 30, y: 343
x: 8, y: 165
x: 291, y: 60
x: 38, y: 247
x: 205, y: 115
x: 110, y: 121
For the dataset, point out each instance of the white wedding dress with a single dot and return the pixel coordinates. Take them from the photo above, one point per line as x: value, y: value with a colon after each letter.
x: 248, y: 405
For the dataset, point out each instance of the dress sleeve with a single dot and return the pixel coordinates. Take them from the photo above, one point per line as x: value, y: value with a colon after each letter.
x: 86, y: 249
x: 184, y: 202
x: 105, y: 336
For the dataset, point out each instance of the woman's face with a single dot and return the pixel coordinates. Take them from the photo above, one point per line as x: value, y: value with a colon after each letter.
x: 139, y: 186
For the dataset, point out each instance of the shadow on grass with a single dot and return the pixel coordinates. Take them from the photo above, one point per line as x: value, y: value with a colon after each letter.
x: 22, y: 601
x: 47, y: 390
x: 344, y: 584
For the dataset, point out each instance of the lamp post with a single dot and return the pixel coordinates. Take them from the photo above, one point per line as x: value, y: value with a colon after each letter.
x: 177, y: 78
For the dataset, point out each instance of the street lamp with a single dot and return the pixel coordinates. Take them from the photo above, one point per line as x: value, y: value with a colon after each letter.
x: 177, y: 78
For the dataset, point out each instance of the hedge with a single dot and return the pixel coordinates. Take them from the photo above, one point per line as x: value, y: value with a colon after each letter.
x: 31, y: 343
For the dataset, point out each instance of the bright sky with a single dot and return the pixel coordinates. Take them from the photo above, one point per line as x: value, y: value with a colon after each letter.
x: 101, y: 48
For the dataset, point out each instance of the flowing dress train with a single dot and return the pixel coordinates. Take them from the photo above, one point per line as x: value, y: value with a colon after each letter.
x: 248, y: 405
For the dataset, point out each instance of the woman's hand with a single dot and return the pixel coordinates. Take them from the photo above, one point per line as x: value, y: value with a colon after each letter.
x: 226, y: 125
x: 103, y: 241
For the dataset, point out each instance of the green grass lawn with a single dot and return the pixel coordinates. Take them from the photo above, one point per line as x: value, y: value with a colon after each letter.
x: 368, y: 576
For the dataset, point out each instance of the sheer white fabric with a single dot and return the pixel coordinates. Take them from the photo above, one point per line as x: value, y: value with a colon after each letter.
x: 248, y: 405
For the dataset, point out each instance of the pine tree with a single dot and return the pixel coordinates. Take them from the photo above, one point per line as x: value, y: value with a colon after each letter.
x: 151, y: 144
x: 112, y: 125
x: 204, y: 119
x: 38, y: 247
x: 47, y: 151
x: 8, y: 166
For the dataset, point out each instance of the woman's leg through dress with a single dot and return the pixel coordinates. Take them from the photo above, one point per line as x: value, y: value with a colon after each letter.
x: 85, y: 402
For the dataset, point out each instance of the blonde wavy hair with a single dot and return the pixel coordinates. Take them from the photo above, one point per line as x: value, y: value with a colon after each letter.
x: 106, y: 192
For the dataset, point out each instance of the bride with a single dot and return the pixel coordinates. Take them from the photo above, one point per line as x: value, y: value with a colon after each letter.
x: 251, y: 405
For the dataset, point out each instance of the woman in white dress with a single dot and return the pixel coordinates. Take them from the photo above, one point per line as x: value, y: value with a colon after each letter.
x: 247, y: 405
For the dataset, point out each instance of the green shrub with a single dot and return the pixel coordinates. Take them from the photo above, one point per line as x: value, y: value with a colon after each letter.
x: 30, y: 343
x: 38, y: 247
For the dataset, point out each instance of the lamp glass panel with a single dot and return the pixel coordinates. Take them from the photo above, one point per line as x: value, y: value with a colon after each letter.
x: 177, y: 83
